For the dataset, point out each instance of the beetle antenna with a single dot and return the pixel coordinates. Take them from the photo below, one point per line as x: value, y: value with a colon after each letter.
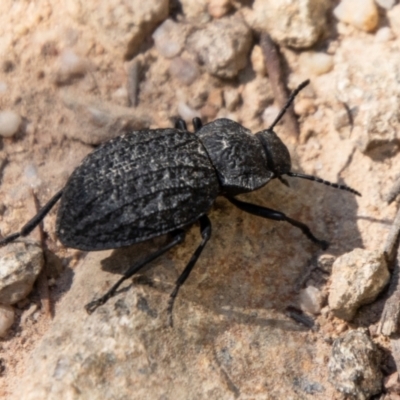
x: 316, y: 179
x: 289, y: 102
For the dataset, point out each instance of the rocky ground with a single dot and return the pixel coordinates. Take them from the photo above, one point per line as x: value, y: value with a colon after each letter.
x: 266, y: 314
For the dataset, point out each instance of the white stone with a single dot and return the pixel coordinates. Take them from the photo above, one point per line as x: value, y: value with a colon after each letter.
x: 362, y: 14
x: 357, y: 278
x: 316, y: 63
x: 386, y: 4
x: 310, y: 300
x: 169, y: 39
x: 384, y: 34
x: 393, y: 16
x: 187, y: 113
x: 10, y: 122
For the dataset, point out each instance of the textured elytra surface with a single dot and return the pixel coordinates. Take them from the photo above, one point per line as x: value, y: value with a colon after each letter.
x: 135, y: 187
x: 238, y: 156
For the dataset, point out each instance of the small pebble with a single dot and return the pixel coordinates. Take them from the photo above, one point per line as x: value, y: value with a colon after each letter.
x: 31, y: 176
x: 187, y: 113
x: 257, y: 60
x: 310, y: 300
x: 386, y: 4
x: 215, y: 98
x: 218, y: 8
x: 70, y: 66
x: 7, y: 316
x: 316, y: 63
x: 10, y: 122
x: 169, y: 39
x: 325, y: 262
x: 231, y: 98
x: 120, y: 96
x: 362, y: 14
x: 393, y: 17
x: 391, y: 382
x: 384, y: 34
x: 304, y: 107
x: 98, y: 117
x: 184, y: 70
x: 269, y: 115
x: 29, y: 313
x: 3, y: 87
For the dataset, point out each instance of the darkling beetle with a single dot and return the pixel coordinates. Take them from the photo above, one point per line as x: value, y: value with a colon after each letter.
x: 147, y: 183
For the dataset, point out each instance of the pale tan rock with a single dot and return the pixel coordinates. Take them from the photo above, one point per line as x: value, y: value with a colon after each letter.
x: 20, y: 265
x: 120, y: 26
x: 362, y: 14
x: 223, y: 46
x: 357, y: 278
x: 293, y: 23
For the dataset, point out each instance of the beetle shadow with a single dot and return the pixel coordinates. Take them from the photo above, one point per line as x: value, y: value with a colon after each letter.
x: 260, y: 261
x: 250, y: 265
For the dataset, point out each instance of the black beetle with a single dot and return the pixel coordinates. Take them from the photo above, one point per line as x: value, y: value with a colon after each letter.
x: 147, y: 183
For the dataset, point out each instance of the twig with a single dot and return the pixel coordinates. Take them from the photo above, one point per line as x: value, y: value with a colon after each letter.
x: 42, y: 282
x: 395, y: 344
x: 388, y: 324
x: 392, y: 241
x: 394, y: 192
x: 132, y: 85
x: 275, y: 72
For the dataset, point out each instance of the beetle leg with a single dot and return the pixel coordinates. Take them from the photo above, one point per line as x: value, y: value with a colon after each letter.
x: 34, y: 222
x: 277, y: 216
x: 180, y: 124
x: 178, y: 237
x: 197, y: 124
x: 205, y: 229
